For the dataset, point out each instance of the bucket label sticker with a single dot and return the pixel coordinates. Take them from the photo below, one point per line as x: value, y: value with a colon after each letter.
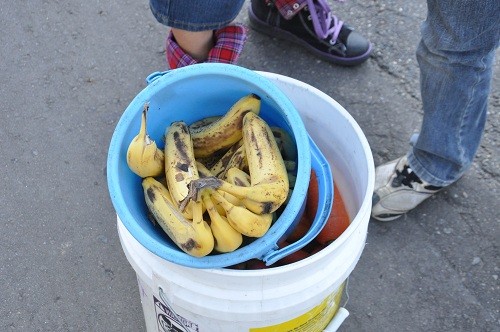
x: 314, y: 320
x: 169, y: 321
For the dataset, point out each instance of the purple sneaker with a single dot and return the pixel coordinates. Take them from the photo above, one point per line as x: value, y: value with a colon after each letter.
x: 315, y: 28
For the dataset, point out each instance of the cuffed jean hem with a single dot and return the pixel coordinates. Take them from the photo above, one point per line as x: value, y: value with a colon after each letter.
x: 207, y: 15
x: 418, y: 165
x: 424, y: 174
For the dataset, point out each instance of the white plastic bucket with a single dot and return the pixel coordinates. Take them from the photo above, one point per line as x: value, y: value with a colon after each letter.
x: 303, y: 296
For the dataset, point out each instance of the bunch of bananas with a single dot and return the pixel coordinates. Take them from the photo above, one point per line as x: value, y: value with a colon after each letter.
x: 218, y: 180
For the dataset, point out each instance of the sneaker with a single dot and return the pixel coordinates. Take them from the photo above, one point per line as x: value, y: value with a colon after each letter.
x: 398, y: 190
x: 315, y: 28
x: 229, y: 43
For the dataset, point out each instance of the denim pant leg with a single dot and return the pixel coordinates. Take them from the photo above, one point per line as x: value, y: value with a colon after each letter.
x: 455, y: 56
x: 195, y: 15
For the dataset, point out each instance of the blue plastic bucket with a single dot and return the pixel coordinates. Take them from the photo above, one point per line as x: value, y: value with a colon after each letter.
x: 189, y: 94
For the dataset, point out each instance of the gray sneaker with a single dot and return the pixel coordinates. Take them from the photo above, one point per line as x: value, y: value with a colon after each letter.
x: 398, y: 190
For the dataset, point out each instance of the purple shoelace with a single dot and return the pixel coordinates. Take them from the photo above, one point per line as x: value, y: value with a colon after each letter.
x: 322, y: 18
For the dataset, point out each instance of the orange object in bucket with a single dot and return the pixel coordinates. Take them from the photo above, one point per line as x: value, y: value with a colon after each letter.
x: 337, y: 222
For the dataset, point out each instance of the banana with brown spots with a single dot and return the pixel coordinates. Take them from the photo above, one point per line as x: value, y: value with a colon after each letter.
x: 225, y: 131
x: 234, y: 157
x: 180, y: 165
x: 194, y: 237
x: 268, y: 175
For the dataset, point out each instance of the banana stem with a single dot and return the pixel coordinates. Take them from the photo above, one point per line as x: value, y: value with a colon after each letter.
x: 143, y: 122
x: 196, y: 186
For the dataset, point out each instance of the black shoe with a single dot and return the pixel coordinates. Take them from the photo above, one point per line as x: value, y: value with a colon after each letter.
x: 317, y: 29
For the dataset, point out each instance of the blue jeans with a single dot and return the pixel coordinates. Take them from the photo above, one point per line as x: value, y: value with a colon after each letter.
x: 455, y: 56
x: 195, y: 15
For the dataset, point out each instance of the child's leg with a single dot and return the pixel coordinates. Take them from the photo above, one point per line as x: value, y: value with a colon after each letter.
x: 195, y: 43
x: 200, y: 30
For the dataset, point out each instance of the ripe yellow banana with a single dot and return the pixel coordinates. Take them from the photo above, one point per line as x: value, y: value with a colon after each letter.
x: 220, y: 165
x: 143, y: 156
x: 180, y: 165
x: 194, y: 237
x: 269, y: 183
x: 265, y: 162
x: 225, y: 131
x: 227, y: 239
x: 266, y: 166
x: 243, y: 220
x: 267, y: 196
x: 203, y: 171
x: 239, y: 177
x: 235, y: 157
x: 231, y: 199
x: 197, y: 125
x: 268, y: 174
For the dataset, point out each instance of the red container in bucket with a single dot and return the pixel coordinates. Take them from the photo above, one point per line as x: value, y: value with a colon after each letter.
x: 190, y: 94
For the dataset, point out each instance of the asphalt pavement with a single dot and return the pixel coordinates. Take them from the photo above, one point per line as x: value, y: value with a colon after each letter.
x: 68, y: 71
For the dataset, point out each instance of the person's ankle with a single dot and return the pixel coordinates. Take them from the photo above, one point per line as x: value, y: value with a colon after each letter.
x: 228, y: 44
x: 196, y: 44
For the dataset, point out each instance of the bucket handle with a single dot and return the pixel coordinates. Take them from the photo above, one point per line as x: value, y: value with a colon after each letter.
x: 325, y: 201
x: 155, y: 75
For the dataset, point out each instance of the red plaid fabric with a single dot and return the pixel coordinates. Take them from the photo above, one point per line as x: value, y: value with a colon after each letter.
x: 288, y: 8
x: 175, y: 55
x: 229, y: 43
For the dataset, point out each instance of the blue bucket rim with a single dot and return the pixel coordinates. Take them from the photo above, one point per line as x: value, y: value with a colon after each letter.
x: 259, y: 247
